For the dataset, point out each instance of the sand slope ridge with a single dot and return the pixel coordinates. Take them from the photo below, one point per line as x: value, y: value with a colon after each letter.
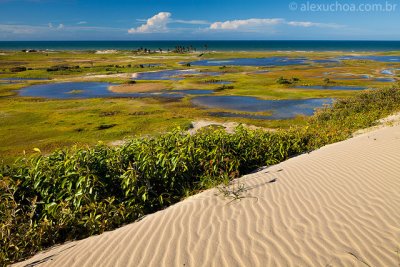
x: 337, y: 206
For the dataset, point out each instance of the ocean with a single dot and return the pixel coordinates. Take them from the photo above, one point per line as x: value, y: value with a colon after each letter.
x: 207, y: 45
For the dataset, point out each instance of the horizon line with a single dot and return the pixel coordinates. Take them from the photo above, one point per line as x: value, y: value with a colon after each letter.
x: 210, y: 40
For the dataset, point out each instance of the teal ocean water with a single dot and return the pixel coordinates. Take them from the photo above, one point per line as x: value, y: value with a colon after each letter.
x: 206, y: 45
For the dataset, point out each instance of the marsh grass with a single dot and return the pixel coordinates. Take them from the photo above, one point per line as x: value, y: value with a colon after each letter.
x: 51, y: 197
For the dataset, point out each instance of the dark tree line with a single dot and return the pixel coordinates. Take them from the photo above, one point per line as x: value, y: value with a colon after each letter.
x: 178, y: 49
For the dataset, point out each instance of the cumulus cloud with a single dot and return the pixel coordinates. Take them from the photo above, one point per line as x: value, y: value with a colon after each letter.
x: 261, y: 23
x: 157, y: 23
x: 243, y: 23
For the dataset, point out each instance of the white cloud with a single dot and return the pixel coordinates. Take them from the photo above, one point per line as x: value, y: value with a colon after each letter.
x: 308, y: 24
x: 195, y: 22
x: 260, y: 24
x: 301, y: 23
x: 82, y: 22
x: 51, y: 26
x: 157, y: 23
x: 244, y: 24
x: 22, y: 29
x: 50, y: 29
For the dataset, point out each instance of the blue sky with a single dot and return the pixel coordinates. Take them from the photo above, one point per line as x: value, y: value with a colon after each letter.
x: 199, y: 20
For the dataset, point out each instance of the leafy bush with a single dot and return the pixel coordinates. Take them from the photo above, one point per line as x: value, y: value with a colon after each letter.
x: 336, y: 123
x: 75, y: 193
x: 282, y: 80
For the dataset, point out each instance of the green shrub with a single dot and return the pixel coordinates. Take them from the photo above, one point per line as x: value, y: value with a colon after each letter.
x: 282, y: 80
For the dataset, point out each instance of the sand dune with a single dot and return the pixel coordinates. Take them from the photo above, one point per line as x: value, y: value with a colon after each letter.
x: 337, y: 206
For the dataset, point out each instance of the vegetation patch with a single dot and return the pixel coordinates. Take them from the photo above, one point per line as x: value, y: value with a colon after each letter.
x: 106, y: 126
x: 109, y: 113
x: 74, y: 193
x: 224, y: 87
x: 282, y: 80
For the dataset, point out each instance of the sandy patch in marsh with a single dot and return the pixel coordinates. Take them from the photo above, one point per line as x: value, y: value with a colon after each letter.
x: 137, y: 87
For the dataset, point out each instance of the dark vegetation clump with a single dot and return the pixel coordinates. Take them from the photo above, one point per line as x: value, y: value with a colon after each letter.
x: 211, y: 81
x: 79, y: 130
x: 180, y: 49
x: 18, y: 69
x: 59, y: 68
x: 74, y: 193
x: 109, y: 113
x: 140, y: 113
x: 282, y: 80
x: 105, y: 126
x: 224, y: 87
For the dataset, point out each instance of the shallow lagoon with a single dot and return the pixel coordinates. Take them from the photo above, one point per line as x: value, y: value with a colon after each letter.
x: 68, y: 90
x: 389, y: 71
x: 285, y: 61
x: 81, y: 90
x: 388, y: 80
x: 349, y: 76
x: 281, y: 109
x: 266, y: 61
x: 387, y: 59
x: 262, y: 62
x: 24, y: 79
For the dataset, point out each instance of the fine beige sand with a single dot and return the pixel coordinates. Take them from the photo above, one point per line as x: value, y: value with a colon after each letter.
x: 337, y: 206
x: 137, y: 87
x: 228, y: 126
